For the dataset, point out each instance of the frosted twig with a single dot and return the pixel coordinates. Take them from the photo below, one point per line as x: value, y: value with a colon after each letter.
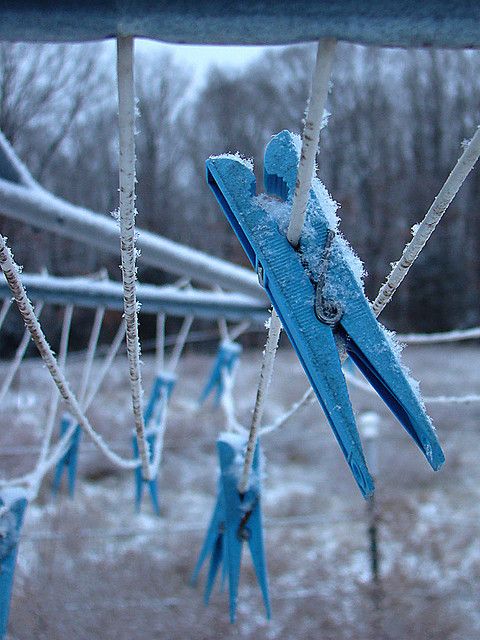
x: 464, y: 165
x: 263, y: 385
x: 126, y: 128
x: 310, y: 138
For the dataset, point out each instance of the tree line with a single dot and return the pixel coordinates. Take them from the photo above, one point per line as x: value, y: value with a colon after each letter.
x: 396, y: 124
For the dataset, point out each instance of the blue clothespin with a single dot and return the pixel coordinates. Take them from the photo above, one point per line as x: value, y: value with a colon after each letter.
x: 70, y: 458
x: 14, y: 503
x: 226, y: 359
x: 319, y: 299
x: 164, y: 383
x: 161, y: 391
x: 236, y: 519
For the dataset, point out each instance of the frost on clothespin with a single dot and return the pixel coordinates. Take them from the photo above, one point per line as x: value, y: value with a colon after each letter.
x: 154, y: 416
x: 317, y: 291
x: 12, y: 509
x: 236, y: 519
x: 68, y: 462
x: 225, y: 362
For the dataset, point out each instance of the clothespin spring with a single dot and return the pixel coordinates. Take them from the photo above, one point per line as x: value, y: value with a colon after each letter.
x: 327, y: 311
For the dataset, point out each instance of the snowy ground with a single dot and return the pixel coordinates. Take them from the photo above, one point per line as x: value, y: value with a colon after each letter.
x: 90, y: 568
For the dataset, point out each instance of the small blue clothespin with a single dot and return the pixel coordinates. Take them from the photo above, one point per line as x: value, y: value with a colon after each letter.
x: 161, y: 391
x: 236, y: 519
x: 70, y: 458
x: 225, y: 361
x: 12, y: 510
x: 319, y: 298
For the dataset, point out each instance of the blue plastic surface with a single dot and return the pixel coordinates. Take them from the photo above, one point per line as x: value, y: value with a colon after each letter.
x: 287, y: 278
x: 69, y: 461
x: 236, y: 519
x: 10, y: 526
x: 225, y: 361
x: 161, y: 391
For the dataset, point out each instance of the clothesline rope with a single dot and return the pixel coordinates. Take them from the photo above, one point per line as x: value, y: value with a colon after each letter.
x: 126, y: 218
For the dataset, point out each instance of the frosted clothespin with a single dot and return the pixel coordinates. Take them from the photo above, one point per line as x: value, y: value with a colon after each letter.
x: 319, y: 298
x: 227, y: 356
x: 69, y: 460
x: 162, y: 389
x: 12, y: 509
x: 236, y: 519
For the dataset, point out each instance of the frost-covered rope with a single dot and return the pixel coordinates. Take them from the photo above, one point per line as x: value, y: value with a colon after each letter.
x: 126, y: 217
x: 160, y: 342
x: 437, y: 338
x: 37, y: 475
x: 89, y: 358
x: 17, y: 359
x: 465, y: 399
x: 240, y: 329
x: 10, y: 269
x: 310, y: 138
x: 7, y: 303
x: 227, y: 402
x: 107, y: 363
x: 180, y: 343
x: 263, y: 385
x: 424, y: 230
x: 280, y: 421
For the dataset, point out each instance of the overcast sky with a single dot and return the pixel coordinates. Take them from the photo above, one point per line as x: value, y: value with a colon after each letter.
x: 201, y: 57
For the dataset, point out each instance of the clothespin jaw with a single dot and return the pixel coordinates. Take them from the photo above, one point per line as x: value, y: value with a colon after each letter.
x: 12, y: 510
x: 236, y: 519
x: 70, y: 459
x: 164, y: 383
x: 139, y: 480
x: 320, y: 301
x: 225, y: 361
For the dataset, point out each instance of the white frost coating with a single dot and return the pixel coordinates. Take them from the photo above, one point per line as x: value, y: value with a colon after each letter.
x: 394, y: 342
x: 247, y: 162
x: 328, y: 205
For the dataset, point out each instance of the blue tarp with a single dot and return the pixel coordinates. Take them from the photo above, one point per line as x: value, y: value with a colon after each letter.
x: 405, y: 23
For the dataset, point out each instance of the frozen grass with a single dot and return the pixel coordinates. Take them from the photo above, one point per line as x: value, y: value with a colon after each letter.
x: 91, y: 568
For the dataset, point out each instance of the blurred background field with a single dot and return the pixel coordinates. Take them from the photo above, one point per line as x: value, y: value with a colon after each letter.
x: 90, y: 567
